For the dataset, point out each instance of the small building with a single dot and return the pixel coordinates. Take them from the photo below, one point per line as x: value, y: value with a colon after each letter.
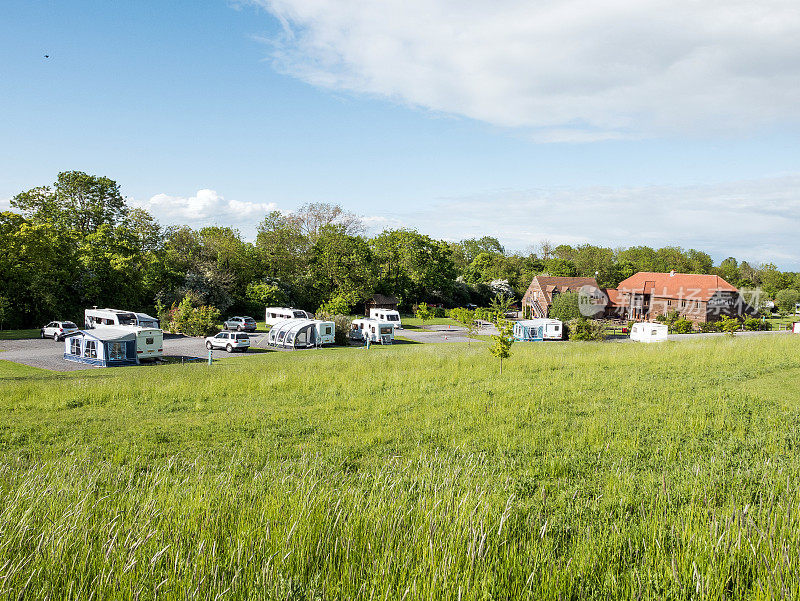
x: 102, y: 347
x: 531, y: 330
x: 539, y: 297
x: 380, y: 301
x: 649, y: 332
x: 697, y: 297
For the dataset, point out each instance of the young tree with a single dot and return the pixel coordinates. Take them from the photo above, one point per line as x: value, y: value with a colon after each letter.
x: 501, y: 347
x: 423, y: 312
x: 466, y: 318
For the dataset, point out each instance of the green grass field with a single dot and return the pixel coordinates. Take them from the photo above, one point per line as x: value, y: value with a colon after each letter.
x: 19, y: 334
x: 587, y: 471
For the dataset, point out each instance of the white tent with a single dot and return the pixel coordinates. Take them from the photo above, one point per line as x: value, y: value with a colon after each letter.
x: 649, y: 332
x: 301, y: 333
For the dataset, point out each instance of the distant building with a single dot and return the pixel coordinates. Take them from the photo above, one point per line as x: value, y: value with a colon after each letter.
x: 380, y: 301
x: 697, y: 297
x: 539, y: 297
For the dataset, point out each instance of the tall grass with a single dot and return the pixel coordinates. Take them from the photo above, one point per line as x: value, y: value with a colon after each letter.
x: 586, y: 471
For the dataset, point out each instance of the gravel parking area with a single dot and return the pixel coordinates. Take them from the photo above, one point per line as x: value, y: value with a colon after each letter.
x: 48, y: 354
x: 439, y: 333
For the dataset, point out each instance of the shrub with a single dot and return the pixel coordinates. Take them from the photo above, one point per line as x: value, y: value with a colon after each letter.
x: 682, y: 326
x: 754, y: 324
x: 339, y: 304
x: 194, y: 321
x: 585, y: 329
x: 709, y: 326
x: 728, y: 325
x: 439, y: 312
x: 341, y: 324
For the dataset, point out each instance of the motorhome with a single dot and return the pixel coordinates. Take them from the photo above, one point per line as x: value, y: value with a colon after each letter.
x: 649, y: 332
x: 301, y: 333
x: 375, y: 330
x: 529, y: 330
x: 108, y: 317
x: 275, y: 314
x: 389, y: 315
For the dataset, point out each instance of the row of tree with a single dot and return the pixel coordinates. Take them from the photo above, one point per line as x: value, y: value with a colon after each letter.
x: 78, y: 244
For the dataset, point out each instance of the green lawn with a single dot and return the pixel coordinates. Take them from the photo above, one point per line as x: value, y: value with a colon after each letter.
x: 19, y: 334
x: 587, y: 471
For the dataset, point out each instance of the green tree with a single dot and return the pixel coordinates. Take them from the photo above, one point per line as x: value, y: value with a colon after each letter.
x: 787, y: 299
x: 341, y: 264
x: 466, y: 318
x: 77, y: 201
x: 501, y: 343
x: 423, y: 312
x: 565, y: 306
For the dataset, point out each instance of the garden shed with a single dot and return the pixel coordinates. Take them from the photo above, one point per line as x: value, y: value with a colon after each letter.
x: 102, y: 347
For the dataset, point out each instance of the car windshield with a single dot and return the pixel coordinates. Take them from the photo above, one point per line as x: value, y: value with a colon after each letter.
x: 69, y: 324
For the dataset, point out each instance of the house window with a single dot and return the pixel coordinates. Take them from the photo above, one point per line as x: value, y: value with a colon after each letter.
x: 90, y: 349
x: 116, y: 351
x: 75, y: 346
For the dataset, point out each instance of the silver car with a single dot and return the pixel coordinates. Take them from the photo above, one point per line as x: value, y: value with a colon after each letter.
x: 230, y: 341
x: 58, y: 330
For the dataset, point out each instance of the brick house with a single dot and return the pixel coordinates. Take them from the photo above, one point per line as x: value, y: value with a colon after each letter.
x: 539, y: 296
x: 697, y: 297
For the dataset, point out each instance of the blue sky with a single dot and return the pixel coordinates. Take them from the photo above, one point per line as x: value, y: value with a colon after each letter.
x: 641, y: 123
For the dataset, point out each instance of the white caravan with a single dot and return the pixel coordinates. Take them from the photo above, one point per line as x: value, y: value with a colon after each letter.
x: 149, y: 342
x: 541, y: 328
x: 275, y: 314
x: 389, y: 315
x: 143, y: 320
x: 649, y: 332
x: 377, y: 331
x: 301, y: 333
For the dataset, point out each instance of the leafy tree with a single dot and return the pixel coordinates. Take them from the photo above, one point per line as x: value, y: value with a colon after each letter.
x: 561, y: 268
x: 339, y: 304
x: 311, y: 219
x: 565, y: 306
x: 423, y: 312
x: 786, y: 300
x: 266, y: 294
x: 466, y: 318
x: 77, y: 201
x: 5, y: 305
x: 583, y: 329
x: 501, y: 345
x: 341, y: 264
x: 282, y: 247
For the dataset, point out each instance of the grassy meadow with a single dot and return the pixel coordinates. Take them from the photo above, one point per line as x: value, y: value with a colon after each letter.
x: 587, y: 471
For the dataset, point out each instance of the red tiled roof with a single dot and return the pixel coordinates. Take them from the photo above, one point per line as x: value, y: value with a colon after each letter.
x: 564, y: 283
x: 615, y: 298
x: 678, y: 285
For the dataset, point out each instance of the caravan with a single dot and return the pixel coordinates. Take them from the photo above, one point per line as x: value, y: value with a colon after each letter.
x: 116, y: 317
x: 388, y: 315
x: 301, y: 333
x: 649, y: 332
x: 274, y: 315
x: 381, y: 332
x: 541, y: 328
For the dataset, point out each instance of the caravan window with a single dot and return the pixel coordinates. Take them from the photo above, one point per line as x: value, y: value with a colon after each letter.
x: 328, y: 330
x: 75, y: 345
x: 116, y: 351
x: 302, y: 337
x: 90, y: 350
x: 386, y: 329
x: 148, y: 340
x: 392, y: 318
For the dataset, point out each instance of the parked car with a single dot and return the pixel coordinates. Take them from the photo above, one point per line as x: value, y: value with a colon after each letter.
x: 240, y: 324
x: 230, y: 341
x: 58, y: 330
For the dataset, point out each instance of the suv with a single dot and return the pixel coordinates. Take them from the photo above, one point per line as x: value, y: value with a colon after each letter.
x: 58, y: 330
x: 230, y: 341
x: 240, y: 324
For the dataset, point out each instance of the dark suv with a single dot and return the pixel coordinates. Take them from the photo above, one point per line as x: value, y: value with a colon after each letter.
x: 240, y: 324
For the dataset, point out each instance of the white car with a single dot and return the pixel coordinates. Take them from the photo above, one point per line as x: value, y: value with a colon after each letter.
x: 58, y: 330
x: 230, y: 341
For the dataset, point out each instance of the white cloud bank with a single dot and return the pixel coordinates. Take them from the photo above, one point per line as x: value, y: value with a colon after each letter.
x: 566, y: 70
x: 207, y: 207
x: 755, y: 220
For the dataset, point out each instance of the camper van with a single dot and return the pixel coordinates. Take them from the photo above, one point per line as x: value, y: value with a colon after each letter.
x: 377, y: 331
x: 389, y: 315
x: 649, y: 332
x: 275, y: 314
x: 529, y: 330
x: 301, y: 333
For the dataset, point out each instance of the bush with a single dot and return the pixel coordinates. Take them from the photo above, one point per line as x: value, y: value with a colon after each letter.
x: 194, y: 321
x: 342, y: 324
x: 728, y: 325
x: 338, y: 304
x: 439, y: 312
x: 754, y: 324
x: 682, y: 326
x: 585, y: 329
x: 709, y: 326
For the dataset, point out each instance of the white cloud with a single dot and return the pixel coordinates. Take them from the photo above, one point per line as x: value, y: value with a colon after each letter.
x: 567, y: 70
x: 207, y: 207
x: 754, y: 220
